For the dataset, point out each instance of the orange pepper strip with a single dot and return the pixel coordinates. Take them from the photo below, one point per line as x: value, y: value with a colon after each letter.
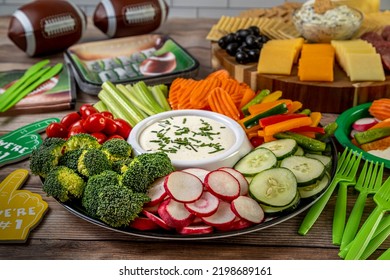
x: 286, y: 125
x: 316, y: 118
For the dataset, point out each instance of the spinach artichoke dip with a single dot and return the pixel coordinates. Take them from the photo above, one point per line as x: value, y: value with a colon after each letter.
x: 187, y: 137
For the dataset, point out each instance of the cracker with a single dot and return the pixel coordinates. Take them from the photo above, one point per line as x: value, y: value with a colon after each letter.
x: 321, y: 6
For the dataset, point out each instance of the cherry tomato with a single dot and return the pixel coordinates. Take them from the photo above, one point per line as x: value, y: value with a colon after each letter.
x: 110, y: 127
x: 87, y: 111
x: 76, y: 128
x: 83, y: 107
x: 101, y: 137
x: 256, y: 141
x: 70, y: 119
x: 123, y: 128
x: 115, y: 136
x: 94, y: 123
x: 56, y: 130
x: 107, y: 114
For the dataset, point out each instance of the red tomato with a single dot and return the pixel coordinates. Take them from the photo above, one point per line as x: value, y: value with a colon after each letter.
x: 56, y: 130
x: 110, y: 127
x: 107, y: 114
x: 101, y: 137
x: 256, y: 141
x: 70, y: 119
x: 76, y: 128
x: 115, y: 136
x: 87, y: 111
x: 94, y: 123
x: 123, y: 128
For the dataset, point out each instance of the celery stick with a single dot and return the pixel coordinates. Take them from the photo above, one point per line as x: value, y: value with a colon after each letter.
x: 100, y: 106
x: 144, y: 93
x: 105, y: 97
x: 160, y: 97
x: 128, y: 91
x: 117, y: 97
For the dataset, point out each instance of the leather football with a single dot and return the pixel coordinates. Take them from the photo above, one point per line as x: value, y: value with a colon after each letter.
x: 45, y: 26
x: 122, y: 18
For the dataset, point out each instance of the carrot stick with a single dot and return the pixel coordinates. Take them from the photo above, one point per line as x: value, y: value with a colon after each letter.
x: 384, y: 123
x: 286, y: 125
x: 258, y: 108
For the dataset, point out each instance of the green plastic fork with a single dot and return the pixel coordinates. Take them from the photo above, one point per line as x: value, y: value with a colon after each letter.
x: 364, y: 235
x: 385, y: 255
x: 380, y: 235
x: 347, y: 167
x: 368, y: 183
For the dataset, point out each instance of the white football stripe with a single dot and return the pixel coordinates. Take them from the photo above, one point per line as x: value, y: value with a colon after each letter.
x: 164, y: 12
x: 28, y: 31
x: 110, y: 17
x: 81, y: 15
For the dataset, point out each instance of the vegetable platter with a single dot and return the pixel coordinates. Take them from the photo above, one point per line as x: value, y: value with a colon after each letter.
x: 343, y: 132
x: 161, y: 234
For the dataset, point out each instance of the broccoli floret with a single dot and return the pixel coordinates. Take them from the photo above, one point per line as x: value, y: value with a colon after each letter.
x: 118, y: 206
x: 158, y: 164
x: 93, y: 162
x: 46, y: 157
x: 70, y: 159
x: 136, y: 177
x: 81, y: 141
x: 117, y: 149
x: 64, y: 184
x: 95, y: 185
x: 120, y: 166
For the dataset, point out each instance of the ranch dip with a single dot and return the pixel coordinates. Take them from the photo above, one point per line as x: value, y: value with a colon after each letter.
x: 187, y: 137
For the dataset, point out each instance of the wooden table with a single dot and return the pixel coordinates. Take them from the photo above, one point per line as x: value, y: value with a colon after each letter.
x: 61, y: 235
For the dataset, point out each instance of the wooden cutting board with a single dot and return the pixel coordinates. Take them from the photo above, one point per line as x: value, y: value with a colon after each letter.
x: 326, y: 97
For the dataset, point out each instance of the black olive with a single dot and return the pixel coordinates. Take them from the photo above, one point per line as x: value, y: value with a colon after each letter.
x: 255, y: 30
x: 251, y: 41
x: 243, y: 33
x: 231, y: 48
x: 222, y: 42
x: 263, y: 39
x: 253, y: 55
x: 230, y: 38
x: 242, y: 57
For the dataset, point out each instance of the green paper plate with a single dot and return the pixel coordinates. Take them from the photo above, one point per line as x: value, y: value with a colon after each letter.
x: 342, y: 134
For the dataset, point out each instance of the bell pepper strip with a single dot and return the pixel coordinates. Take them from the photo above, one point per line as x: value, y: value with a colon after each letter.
x: 278, y: 118
x: 287, y: 125
x: 253, y: 119
x: 315, y: 129
x: 316, y: 118
x: 295, y: 106
x: 269, y: 138
x: 272, y: 96
x: 258, y: 108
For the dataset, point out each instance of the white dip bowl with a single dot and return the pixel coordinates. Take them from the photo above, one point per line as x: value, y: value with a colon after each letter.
x: 227, y: 138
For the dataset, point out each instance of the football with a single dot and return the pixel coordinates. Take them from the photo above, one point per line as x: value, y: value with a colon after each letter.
x: 121, y: 18
x: 46, y: 26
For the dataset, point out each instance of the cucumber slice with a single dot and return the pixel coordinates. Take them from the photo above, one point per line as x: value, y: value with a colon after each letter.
x: 326, y: 160
x: 274, y: 187
x: 306, y: 170
x: 282, y: 148
x: 275, y: 211
x: 256, y: 161
x: 315, y: 189
x: 299, y: 152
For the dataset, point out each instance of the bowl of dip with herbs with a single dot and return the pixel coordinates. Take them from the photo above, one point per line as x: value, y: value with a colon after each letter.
x: 337, y: 23
x: 191, y: 138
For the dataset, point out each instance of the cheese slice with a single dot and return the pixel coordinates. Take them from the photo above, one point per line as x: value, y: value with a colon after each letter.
x: 276, y: 60
x: 318, y: 69
x: 365, y: 67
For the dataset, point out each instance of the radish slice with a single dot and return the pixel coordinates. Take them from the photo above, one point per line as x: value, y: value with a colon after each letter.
x: 144, y: 223
x: 206, y: 205
x: 237, y: 224
x: 175, y: 214
x: 247, y: 209
x: 198, y: 229
x: 222, y: 184
x: 223, y: 217
x: 198, y: 172
x: 364, y: 123
x: 244, y: 185
x: 156, y: 192
x: 183, y: 186
x: 157, y: 220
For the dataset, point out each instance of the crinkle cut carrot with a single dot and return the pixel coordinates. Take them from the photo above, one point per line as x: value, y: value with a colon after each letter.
x: 221, y: 102
x: 200, y: 92
x: 184, y: 96
x: 221, y: 74
x: 380, y: 108
x: 174, y: 89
